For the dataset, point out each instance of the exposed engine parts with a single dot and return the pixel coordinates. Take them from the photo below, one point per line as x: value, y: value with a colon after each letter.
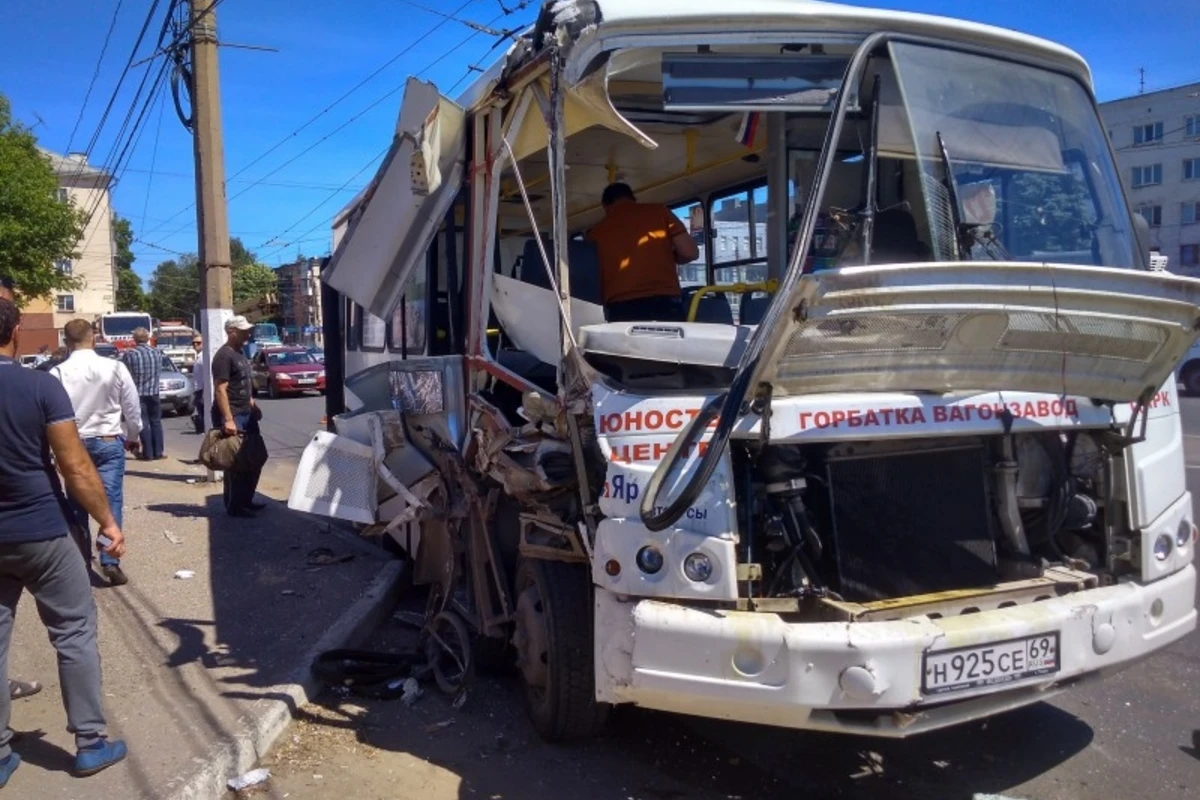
x: 872, y: 521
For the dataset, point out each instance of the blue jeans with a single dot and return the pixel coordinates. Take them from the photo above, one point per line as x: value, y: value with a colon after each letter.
x: 109, y: 458
x: 152, y: 432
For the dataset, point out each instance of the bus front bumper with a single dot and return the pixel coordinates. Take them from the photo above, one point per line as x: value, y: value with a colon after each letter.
x: 868, y: 677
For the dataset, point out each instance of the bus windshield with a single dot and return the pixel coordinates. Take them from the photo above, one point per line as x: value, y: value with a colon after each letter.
x: 124, y: 325
x: 1013, y: 162
x: 266, y: 331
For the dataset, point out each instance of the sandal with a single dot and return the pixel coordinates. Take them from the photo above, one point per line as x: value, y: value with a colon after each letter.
x: 20, y: 689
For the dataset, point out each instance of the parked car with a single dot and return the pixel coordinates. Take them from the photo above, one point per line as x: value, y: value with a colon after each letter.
x: 1188, y: 371
x: 280, y: 371
x: 174, y: 388
x: 107, y: 350
x: 30, y: 360
x: 318, y: 354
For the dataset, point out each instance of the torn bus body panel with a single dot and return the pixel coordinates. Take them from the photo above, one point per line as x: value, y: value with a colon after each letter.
x: 534, y: 463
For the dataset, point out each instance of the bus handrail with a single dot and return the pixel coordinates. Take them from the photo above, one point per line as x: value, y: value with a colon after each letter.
x: 768, y: 286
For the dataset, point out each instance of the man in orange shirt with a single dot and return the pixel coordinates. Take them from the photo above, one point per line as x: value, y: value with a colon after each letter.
x: 639, y: 246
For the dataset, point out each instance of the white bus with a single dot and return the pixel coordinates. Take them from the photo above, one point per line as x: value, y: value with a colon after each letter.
x: 934, y: 472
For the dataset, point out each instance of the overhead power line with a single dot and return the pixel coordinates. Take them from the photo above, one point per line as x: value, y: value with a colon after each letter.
x: 95, y: 74
x: 393, y: 91
x: 417, y: 42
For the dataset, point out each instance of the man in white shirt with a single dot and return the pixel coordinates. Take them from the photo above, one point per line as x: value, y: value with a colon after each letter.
x: 101, y: 390
x: 199, y: 381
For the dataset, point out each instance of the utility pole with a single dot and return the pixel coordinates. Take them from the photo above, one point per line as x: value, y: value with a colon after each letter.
x: 1141, y: 80
x: 212, y: 222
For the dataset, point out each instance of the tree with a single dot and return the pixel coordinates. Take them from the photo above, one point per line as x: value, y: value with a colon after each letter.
x: 175, y: 285
x: 175, y: 289
x: 240, y: 255
x: 36, y: 230
x: 253, y: 280
x: 130, y: 296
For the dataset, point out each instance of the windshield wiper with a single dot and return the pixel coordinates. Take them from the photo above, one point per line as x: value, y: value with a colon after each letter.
x: 960, y: 253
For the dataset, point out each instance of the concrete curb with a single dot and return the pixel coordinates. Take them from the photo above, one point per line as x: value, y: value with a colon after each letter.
x: 241, y: 749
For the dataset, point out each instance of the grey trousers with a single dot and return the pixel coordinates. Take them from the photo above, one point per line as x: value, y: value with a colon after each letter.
x: 54, y: 573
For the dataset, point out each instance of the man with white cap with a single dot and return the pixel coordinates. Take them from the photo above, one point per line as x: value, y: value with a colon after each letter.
x: 234, y: 411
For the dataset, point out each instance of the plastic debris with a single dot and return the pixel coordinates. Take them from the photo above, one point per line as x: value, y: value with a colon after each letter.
x: 289, y: 592
x: 172, y: 538
x: 412, y: 691
x: 460, y: 700
x: 252, y: 778
x: 437, y: 726
x: 185, y: 574
x: 191, y: 481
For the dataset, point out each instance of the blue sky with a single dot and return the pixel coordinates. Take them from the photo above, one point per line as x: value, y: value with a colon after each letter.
x: 48, y: 53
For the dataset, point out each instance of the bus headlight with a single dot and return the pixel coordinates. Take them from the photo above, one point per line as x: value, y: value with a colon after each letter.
x: 649, y: 559
x: 1162, y: 546
x: 698, y: 567
x: 1183, y: 535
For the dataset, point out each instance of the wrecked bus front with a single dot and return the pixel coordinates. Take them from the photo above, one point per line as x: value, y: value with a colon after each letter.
x: 913, y: 458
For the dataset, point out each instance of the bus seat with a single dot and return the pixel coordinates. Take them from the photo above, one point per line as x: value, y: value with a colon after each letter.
x: 753, y: 306
x: 713, y: 308
x: 582, y: 262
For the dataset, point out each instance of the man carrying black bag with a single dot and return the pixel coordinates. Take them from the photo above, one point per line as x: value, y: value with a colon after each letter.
x: 235, y: 413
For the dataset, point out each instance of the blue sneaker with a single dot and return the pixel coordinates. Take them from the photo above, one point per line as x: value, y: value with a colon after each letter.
x: 99, y: 756
x: 7, y: 767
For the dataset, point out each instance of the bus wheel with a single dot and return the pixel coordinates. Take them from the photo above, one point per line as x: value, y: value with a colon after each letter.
x: 1191, y: 380
x: 553, y: 639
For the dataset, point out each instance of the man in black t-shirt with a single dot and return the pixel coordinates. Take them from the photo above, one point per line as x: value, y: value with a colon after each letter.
x: 235, y: 412
x: 38, y: 441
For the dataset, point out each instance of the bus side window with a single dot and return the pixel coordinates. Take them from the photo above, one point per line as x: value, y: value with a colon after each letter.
x: 409, y: 322
x: 372, y: 330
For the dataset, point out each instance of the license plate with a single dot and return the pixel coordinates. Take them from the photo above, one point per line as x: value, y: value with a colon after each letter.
x: 992, y: 664
x: 307, y: 381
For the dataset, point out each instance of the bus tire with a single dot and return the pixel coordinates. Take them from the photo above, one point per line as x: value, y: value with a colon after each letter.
x: 1191, y: 379
x: 554, y: 644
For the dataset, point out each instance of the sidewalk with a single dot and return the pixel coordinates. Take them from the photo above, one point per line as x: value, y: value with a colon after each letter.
x: 188, y: 663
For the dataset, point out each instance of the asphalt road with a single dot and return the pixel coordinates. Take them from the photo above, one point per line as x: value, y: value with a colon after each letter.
x: 1133, y: 734
x: 287, y: 425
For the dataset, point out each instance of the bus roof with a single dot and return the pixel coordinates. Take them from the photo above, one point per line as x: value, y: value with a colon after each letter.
x: 619, y: 20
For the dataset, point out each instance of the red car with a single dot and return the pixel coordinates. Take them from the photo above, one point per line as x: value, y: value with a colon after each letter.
x: 281, y: 371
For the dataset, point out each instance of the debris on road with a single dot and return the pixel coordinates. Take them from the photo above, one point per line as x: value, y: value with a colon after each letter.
x: 324, y: 557
x: 172, y: 538
x: 437, y: 726
x: 252, y: 778
x: 412, y: 691
x: 185, y: 574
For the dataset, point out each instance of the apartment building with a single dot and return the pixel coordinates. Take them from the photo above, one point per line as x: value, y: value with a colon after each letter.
x: 299, y: 290
x: 87, y: 188
x: 1156, y: 136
